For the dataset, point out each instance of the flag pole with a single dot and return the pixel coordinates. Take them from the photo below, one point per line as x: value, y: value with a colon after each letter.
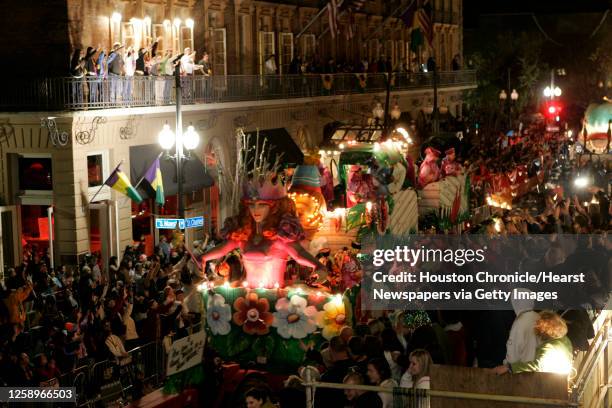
x: 315, y: 18
x: 103, y: 184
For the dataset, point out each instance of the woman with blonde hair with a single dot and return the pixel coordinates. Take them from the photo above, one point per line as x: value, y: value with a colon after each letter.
x: 553, y: 355
x: 417, y: 374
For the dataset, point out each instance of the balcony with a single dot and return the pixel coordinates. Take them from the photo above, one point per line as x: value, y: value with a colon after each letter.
x: 58, y: 94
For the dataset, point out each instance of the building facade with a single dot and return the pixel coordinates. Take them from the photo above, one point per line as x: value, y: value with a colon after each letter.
x: 57, y: 146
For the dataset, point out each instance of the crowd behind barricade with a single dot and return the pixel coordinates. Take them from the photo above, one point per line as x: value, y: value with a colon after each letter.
x: 54, y: 321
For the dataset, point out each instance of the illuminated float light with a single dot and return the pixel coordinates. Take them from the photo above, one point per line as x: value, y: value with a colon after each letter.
x: 226, y: 285
x: 497, y: 225
x: 202, y: 287
x: 369, y: 206
x: 337, y: 300
x: 245, y: 284
x: 594, y: 200
x: 276, y: 285
x: 341, y: 146
x: 581, y: 182
x: 376, y: 146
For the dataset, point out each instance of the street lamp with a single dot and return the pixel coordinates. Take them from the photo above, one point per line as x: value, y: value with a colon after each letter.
x: 179, y: 139
x: 514, y: 95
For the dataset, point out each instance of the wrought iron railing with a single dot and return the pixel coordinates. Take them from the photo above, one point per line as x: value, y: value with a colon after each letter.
x: 54, y: 94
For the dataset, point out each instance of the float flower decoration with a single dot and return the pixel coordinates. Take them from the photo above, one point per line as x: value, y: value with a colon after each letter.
x: 253, y: 314
x: 293, y: 318
x: 332, y: 318
x: 218, y: 315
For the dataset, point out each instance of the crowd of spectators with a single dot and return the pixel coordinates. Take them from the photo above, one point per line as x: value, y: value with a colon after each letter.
x: 56, y: 320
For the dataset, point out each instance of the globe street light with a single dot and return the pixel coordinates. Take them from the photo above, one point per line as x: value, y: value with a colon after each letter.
x: 189, y: 140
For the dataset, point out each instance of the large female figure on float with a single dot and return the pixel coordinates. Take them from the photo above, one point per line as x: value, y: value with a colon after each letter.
x: 267, y: 231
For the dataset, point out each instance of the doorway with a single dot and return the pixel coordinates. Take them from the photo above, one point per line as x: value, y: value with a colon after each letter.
x: 100, y: 231
x: 10, y: 250
x: 35, y: 230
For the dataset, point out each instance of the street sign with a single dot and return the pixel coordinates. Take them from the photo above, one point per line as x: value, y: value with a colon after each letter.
x: 169, y: 223
x: 194, y: 222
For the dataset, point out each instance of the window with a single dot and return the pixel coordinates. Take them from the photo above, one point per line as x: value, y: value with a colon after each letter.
x: 219, y: 59
x: 266, y: 48
x: 94, y: 170
x: 160, y: 32
x: 97, y: 173
x: 35, y: 173
x: 187, y: 37
x: 308, y: 46
x: 373, y: 50
x: 286, y: 51
x: 176, y: 39
x: 128, y: 35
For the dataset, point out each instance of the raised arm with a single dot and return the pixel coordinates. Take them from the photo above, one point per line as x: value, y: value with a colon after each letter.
x: 220, y: 250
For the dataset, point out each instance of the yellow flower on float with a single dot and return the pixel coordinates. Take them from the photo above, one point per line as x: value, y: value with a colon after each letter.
x: 332, y: 318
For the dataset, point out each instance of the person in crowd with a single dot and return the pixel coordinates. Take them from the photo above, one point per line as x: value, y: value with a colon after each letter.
x: 340, y: 364
x: 129, y: 71
x: 522, y: 342
x: 379, y: 373
x: 417, y: 374
x: 359, y: 398
x: 14, y: 303
x: 258, y: 398
x: 554, y: 354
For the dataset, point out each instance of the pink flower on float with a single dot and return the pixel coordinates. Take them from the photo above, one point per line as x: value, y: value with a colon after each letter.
x: 293, y: 318
x: 332, y: 318
x: 253, y: 314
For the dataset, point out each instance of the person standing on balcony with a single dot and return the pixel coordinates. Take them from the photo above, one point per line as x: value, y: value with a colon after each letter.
x: 188, y: 66
x: 270, y: 70
x: 91, y: 70
x: 103, y: 74
x: 130, y: 69
x: 77, y: 71
x: 456, y: 64
x: 206, y: 69
x: 116, y: 67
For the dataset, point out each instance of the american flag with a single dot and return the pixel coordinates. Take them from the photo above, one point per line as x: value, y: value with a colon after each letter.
x: 332, y: 13
x: 423, y: 19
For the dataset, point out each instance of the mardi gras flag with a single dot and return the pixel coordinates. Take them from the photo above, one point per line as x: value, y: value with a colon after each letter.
x: 154, y: 177
x: 120, y: 182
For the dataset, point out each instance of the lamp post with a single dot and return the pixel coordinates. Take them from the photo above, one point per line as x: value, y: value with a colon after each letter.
x: 189, y: 140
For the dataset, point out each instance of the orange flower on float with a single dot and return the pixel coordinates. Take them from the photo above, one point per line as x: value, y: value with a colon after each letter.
x: 253, y: 314
x: 332, y: 318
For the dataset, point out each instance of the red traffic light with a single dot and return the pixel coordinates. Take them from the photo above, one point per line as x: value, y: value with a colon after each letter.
x: 553, y: 109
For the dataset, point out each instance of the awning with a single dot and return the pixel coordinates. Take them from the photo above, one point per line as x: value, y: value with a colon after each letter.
x: 195, y: 176
x: 279, y: 141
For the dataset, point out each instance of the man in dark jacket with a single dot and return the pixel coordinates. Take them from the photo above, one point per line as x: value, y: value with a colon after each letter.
x: 115, y: 70
x: 341, y: 362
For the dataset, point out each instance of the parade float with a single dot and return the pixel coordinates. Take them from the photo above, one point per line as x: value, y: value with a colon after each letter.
x: 444, y: 190
x: 268, y: 313
x: 597, y: 128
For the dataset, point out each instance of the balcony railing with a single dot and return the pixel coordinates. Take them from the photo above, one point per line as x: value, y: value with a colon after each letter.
x: 120, y: 92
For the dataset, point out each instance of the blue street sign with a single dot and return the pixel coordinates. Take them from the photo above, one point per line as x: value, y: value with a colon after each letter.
x: 169, y: 223
x: 194, y: 222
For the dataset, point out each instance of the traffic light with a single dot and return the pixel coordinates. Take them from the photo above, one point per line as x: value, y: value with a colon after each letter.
x: 553, y: 110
